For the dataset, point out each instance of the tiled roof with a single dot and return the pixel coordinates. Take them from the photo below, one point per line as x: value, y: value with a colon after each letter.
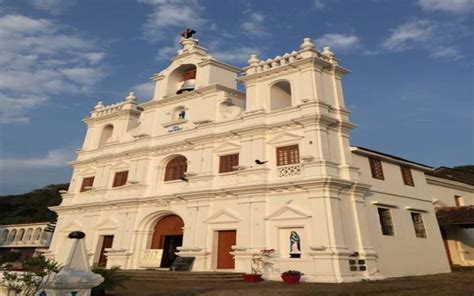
x: 453, y: 174
x: 456, y: 215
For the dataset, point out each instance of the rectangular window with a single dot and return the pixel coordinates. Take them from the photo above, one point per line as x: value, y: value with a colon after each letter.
x: 228, y: 162
x: 418, y: 224
x: 120, y: 179
x: 407, y: 176
x: 386, y: 222
x: 376, y: 168
x: 287, y: 155
x: 87, y: 182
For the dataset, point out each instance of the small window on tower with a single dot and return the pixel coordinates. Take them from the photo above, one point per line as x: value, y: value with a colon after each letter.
x: 228, y: 162
x: 120, y: 179
x: 287, y: 155
x: 87, y: 184
x: 376, y: 168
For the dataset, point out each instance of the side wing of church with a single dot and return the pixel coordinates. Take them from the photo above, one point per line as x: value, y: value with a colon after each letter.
x: 207, y: 171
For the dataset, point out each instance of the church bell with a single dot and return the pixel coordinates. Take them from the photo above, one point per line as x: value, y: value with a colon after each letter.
x: 189, y: 81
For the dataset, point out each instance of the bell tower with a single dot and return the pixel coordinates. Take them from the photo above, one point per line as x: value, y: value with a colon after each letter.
x: 191, y: 69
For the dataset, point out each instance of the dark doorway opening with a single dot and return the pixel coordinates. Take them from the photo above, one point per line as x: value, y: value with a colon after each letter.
x: 170, y: 245
x: 107, y: 242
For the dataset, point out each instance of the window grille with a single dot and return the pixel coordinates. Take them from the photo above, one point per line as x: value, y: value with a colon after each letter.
x: 386, y: 222
x: 420, y: 230
x: 407, y: 176
x: 376, y: 168
x: 176, y: 168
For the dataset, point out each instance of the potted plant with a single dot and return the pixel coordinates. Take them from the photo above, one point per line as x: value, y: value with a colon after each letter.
x: 291, y: 276
x: 259, y: 262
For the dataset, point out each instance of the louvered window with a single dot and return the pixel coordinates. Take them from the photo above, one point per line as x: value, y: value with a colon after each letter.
x: 86, y: 183
x: 176, y: 168
x: 376, y: 168
x: 287, y: 155
x: 386, y: 223
x: 407, y: 176
x: 120, y: 179
x: 228, y: 162
x: 420, y: 230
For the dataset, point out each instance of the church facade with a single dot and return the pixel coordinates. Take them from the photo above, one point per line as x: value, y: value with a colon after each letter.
x: 207, y: 171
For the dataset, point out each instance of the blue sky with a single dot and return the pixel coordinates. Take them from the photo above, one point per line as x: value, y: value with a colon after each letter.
x: 410, y: 90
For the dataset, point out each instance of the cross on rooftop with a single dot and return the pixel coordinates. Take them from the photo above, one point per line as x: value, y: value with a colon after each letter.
x: 188, y: 33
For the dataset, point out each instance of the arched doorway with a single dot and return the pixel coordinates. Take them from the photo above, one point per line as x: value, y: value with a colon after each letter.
x: 168, y: 235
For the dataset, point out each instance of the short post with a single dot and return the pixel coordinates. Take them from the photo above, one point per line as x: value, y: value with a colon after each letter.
x: 76, y: 277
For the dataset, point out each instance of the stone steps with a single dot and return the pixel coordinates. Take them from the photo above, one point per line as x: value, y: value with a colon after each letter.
x: 161, y: 275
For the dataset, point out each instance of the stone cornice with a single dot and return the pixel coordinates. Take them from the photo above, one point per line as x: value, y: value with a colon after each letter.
x: 242, y: 191
x: 186, y: 96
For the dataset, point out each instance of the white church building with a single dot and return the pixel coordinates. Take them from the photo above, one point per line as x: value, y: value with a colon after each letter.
x: 205, y: 170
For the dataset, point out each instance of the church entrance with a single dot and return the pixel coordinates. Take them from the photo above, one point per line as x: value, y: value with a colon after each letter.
x: 168, y: 236
x: 225, y: 240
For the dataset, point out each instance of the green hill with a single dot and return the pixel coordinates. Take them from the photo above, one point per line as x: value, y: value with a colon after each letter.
x: 31, y: 207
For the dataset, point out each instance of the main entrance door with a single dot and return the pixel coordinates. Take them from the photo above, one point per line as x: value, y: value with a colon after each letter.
x: 168, y: 235
x: 225, y: 240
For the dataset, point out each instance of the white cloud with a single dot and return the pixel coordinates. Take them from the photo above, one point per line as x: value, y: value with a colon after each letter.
x: 254, y: 24
x: 235, y: 55
x: 451, y: 6
x: 318, y: 4
x: 53, y: 6
x: 408, y: 35
x: 338, y: 41
x: 54, y: 159
x: 447, y: 52
x: 38, y: 60
x: 144, y: 91
x: 171, y: 14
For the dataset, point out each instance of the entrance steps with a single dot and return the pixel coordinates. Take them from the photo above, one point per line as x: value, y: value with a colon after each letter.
x: 165, y: 275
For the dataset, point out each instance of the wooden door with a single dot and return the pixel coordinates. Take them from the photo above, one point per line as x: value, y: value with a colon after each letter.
x: 225, y: 240
x: 106, y: 244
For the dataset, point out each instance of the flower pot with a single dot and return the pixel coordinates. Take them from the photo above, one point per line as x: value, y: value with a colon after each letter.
x: 252, y: 278
x: 291, y: 278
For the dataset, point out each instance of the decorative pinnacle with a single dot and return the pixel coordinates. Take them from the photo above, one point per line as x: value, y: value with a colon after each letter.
x: 307, y: 44
x: 253, y: 60
x: 131, y: 97
x: 99, y: 106
x: 327, y: 52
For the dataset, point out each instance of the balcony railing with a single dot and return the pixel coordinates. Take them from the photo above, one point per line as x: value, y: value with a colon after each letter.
x: 291, y: 170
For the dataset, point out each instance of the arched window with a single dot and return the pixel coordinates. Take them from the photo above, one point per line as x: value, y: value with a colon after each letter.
x: 20, y: 235
x: 37, y: 234
x: 176, y: 168
x: 4, y: 236
x: 179, y: 113
x: 106, y: 134
x: 11, y: 238
x: 280, y: 95
x: 28, y: 235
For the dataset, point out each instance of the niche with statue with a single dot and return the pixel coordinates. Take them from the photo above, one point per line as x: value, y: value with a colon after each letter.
x: 291, y: 242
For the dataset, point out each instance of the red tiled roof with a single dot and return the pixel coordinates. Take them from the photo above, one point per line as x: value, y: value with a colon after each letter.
x: 456, y: 215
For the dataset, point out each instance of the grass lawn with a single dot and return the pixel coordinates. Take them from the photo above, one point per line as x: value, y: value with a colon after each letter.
x: 459, y: 282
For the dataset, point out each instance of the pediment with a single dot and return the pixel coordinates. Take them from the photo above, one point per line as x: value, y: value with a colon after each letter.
x: 227, y: 147
x: 72, y: 226
x: 288, y: 212
x: 120, y: 165
x: 107, y: 224
x: 285, y: 137
x: 223, y: 216
x: 87, y: 171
